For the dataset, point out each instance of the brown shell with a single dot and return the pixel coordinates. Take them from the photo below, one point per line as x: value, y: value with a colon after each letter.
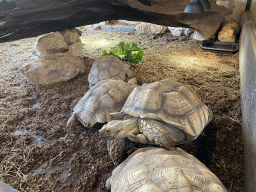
x: 155, y: 169
x: 106, y: 97
x: 171, y: 102
x: 108, y: 67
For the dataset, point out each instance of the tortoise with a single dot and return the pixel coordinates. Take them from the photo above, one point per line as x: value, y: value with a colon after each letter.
x: 108, y: 67
x: 154, y: 169
x: 165, y: 113
x: 105, y: 97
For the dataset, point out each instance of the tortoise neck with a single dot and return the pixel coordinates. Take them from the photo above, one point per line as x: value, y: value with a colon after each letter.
x: 129, y: 126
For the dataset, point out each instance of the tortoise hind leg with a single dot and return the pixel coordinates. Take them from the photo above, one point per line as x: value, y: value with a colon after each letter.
x: 116, y: 150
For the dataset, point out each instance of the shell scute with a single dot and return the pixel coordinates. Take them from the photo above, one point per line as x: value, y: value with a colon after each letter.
x: 148, y: 187
x: 171, y: 102
x: 114, y: 71
x: 169, y: 178
x: 108, y: 67
x: 94, y: 72
x: 175, y: 104
x: 108, y: 96
x: 163, y: 170
x: 104, y: 75
x: 107, y: 101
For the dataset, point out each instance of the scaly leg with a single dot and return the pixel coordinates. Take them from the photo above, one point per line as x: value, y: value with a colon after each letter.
x: 116, y: 150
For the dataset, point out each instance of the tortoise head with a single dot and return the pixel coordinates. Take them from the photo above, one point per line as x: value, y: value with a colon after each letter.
x: 117, y: 129
x: 112, y: 130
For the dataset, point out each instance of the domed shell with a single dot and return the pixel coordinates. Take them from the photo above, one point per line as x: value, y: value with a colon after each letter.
x: 105, y: 97
x: 155, y: 169
x: 108, y: 67
x: 171, y: 102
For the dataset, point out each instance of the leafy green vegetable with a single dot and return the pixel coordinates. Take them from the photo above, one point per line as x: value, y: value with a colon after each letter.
x: 127, y: 52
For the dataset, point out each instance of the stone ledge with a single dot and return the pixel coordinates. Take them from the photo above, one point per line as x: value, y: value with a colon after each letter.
x: 117, y: 28
x: 6, y: 188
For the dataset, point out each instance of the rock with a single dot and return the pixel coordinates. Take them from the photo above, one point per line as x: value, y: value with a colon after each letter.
x: 149, y: 28
x: 180, y: 31
x: 54, y: 68
x: 51, y: 43
x: 111, y: 22
x: 79, y: 32
x: 188, y: 31
x: 197, y: 35
x: 71, y: 35
x: 54, y: 60
x: 176, y: 31
x: 94, y: 27
x: 228, y: 32
x: 76, y: 49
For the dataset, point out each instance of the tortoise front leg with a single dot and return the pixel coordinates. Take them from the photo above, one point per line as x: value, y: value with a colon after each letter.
x: 116, y: 150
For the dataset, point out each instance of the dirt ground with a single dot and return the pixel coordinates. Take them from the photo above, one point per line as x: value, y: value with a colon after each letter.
x: 38, y: 152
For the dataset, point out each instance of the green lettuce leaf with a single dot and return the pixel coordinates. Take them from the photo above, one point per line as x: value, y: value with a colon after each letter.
x: 131, y: 52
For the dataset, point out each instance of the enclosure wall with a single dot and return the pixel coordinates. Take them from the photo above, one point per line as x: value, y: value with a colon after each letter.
x: 247, y: 63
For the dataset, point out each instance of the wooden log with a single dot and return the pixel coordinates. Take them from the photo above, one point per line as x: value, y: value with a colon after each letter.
x: 28, y: 18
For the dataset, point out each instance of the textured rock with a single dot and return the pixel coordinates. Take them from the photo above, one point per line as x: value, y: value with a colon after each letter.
x: 94, y: 27
x: 76, y: 49
x: 237, y: 7
x: 52, y: 69
x: 111, y: 22
x: 79, y: 32
x: 71, y: 35
x: 54, y: 60
x: 51, y: 43
x: 149, y: 28
x: 188, y: 31
x: 176, y: 31
x: 180, y: 31
x: 228, y: 32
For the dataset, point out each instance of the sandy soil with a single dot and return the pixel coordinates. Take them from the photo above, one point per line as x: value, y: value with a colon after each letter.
x: 38, y: 152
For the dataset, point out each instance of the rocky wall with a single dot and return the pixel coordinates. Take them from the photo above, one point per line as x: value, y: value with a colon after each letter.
x: 238, y: 6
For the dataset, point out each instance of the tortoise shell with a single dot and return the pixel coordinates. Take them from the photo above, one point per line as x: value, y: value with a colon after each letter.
x: 108, y: 67
x: 105, y: 97
x: 155, y: 169
x: 171, y: 102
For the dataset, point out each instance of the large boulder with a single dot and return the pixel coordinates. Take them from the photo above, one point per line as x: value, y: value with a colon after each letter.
x: 149, y: 28
x: 53, y: 68
x: 71, y: 35
x: 76, y: 49
x: 57, y: 58
x: 50, y: 44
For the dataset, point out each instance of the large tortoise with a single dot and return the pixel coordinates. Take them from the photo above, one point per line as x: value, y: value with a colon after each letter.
x: 154, y: 169
x: 108, y: 67
x: 164, y: 113
x: 105, y: 97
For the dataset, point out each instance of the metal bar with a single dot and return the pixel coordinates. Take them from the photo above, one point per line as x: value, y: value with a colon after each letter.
x: 247, y: 63
x: 248, y: 5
